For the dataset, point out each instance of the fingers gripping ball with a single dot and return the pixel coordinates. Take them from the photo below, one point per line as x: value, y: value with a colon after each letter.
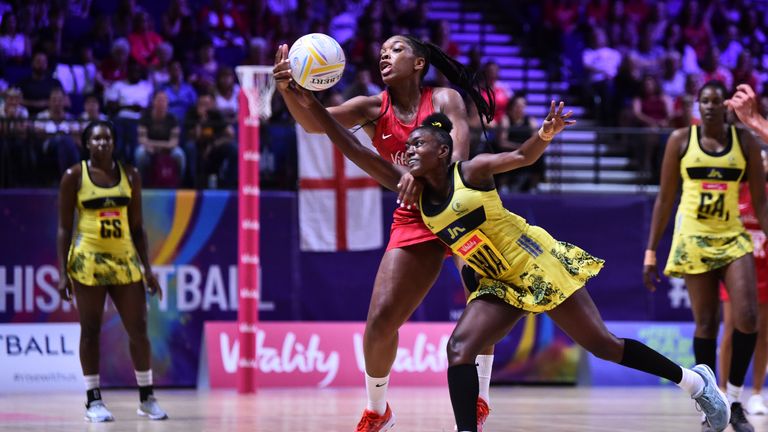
x: 317, y: 61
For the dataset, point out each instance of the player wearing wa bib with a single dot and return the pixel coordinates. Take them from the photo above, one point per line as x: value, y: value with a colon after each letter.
x: 540, y: 271
x: 708, y: 232
x: 389, y: 140
x: 102, y: 253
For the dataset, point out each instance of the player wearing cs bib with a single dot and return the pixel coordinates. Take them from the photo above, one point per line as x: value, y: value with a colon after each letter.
x: 107, y: 256
x: 102, y: 251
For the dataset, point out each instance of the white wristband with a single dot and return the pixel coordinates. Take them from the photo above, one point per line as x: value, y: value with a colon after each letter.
x: 544, y: 135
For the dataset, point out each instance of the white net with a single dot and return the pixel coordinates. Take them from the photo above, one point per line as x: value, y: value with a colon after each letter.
x: 258, y: 84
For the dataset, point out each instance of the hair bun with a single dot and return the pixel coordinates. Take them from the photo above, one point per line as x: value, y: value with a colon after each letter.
x: 438, y: 120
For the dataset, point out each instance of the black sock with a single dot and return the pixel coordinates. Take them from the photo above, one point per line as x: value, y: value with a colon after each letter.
x: 741, y: 353
x: 464, y: 390
x: 705, y: 352
x: 93, y: 395
x: 145, y: 392
x: 643, y: 358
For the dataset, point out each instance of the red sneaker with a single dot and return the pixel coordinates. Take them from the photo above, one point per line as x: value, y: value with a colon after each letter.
x: 375, y: 422
x: 482, y: 413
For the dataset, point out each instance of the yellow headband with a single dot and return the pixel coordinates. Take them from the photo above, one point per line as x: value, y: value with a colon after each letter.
x: 437, y: 124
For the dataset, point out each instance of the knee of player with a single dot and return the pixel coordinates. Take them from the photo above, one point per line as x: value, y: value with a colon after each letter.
x: 89, y: 332
x: 746, y: 322
x: 382, y: 321
x: 707, y: 325
x: 608, y: 347
x: 458, y: 351
x: 137, y: 331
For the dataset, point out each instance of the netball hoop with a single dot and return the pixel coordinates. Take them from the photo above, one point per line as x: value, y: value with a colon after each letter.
x: 258, y: 84
x: 254, y: 105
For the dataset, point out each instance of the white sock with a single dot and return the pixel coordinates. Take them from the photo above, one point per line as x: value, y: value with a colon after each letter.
x: 143, y: 379
x: 733, y: 393
x: 692, y: 382
x: 484, y: 365
x: 91, y: 381
x: 377, y: 393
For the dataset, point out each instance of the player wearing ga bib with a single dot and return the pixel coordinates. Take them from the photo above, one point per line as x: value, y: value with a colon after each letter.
x: 102, y: 252
x: 389, y: 140
x: 536, y: 272
x: 708, y: 232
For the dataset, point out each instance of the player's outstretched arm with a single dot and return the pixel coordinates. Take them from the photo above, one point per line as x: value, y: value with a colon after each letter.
x: 485, y: 165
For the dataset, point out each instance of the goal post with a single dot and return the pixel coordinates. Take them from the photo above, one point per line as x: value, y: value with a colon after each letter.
x: 254, y: 105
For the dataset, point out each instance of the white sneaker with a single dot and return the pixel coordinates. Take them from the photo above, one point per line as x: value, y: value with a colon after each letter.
x: 756, y: 405
x: 150, y: 408
x: 97, y: 412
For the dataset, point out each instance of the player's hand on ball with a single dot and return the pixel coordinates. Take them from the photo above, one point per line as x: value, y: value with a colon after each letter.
x: 282, y: 69
x: 285, y: 83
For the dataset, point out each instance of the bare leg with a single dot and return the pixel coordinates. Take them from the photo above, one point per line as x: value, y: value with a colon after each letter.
x: 703, y: 291
x: 484, y: 322
x: 90, y: 309
x: 404, y: 278
x: 726, y: 344
x: 741, y: 283
x: 760, y: 361
x: 578, y: 316
x: 130, y: 302
x: 460, y: 263
x: 705, y: 303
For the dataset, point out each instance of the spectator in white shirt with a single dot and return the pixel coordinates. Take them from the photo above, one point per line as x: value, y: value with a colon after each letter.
x: 226, y: 93
x: 126, y: 99
x: 57, y: 128
x: 14, y: 45
x: 672, y: 77
x: 601, y: 63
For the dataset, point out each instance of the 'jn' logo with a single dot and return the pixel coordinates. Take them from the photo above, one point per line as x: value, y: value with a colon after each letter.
x: 454, y: 232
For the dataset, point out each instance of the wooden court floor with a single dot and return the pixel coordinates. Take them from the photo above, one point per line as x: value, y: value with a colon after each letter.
x: 551, y: 409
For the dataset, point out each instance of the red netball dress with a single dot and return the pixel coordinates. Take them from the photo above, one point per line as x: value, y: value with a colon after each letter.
x: 761, y: 248
x: 389, y: 140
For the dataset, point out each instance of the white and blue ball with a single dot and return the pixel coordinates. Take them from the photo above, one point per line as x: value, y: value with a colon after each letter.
x: 317, y: 61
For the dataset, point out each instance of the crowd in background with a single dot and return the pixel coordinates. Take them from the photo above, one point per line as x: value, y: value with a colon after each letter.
x: 163, y: 72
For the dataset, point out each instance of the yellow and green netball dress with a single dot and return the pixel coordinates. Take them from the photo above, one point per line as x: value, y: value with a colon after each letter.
x: 520, y: 263
x: 102, y: 252
x: 708, y: 231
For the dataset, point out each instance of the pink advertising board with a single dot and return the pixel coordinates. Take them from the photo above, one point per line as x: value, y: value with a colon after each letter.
x: 314, y: 354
